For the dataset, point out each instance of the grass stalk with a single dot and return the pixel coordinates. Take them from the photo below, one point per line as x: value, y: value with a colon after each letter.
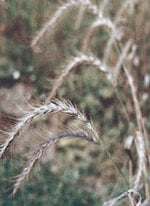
x: 73, y: 63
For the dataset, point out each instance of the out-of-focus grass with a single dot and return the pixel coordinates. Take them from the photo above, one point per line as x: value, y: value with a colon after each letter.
x: 58, y: 188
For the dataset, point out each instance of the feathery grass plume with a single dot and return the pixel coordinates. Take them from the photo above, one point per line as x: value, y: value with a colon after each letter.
x: 62, y: 10
x: 26, y: 171
x: 37, y: 112
x: 117, y: 34
x: 134, y: 198
x: 74, y: 62
x: 46, y: 145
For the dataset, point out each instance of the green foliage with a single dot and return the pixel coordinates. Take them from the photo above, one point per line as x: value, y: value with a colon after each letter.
x: 57, y: 189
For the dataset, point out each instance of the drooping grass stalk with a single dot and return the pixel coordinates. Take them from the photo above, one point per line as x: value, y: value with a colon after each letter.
x: 138, y: 112
x: 52, y: 21
x: 141, y: 150
x: 100, y: 21
x: 46, y: 145
x: 117, y: 34
x: 73, y: 63
x: 142, y: 170
x: 114, y: 200
x: 139, y: 118
x: 58, y: 15
x: 134, y: 198
x: 38, y: 112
